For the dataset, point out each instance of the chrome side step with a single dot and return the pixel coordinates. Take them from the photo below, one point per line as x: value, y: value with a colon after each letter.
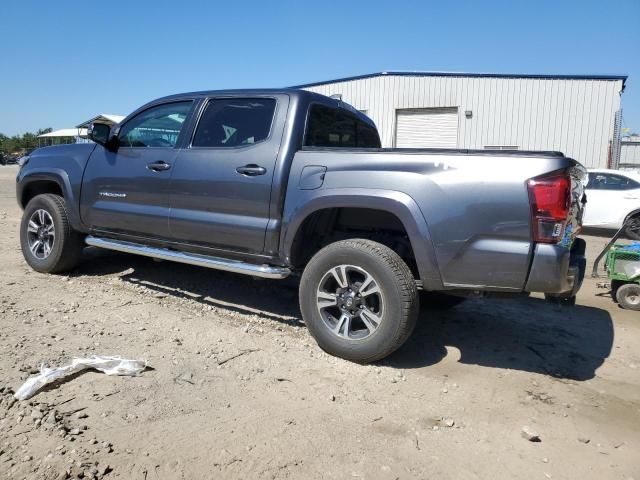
x: 235, y: 266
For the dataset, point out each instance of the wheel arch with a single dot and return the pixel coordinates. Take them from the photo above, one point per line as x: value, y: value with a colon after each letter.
x: 632, y: 213
x: 397, y: 204
x: 37, y: 182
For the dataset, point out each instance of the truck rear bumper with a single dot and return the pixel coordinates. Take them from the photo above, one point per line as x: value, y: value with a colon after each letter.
x: 556, y: 269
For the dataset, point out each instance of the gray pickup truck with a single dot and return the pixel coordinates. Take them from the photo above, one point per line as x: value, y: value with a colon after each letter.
x: 273, y: 183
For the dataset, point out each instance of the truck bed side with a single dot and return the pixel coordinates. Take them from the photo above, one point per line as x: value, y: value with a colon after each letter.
x: 475, y: 206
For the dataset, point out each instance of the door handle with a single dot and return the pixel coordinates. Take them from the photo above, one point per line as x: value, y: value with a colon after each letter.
x: 630, y: 197
x: 159, y: 166
x: 251, y: 170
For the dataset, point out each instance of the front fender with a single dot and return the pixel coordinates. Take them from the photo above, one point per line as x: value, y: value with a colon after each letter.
x: 397, y: 203
x: 27, y: 177
x: 62, y: 164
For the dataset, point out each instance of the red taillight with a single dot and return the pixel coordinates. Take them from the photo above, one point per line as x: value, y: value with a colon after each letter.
x: 550, y: 199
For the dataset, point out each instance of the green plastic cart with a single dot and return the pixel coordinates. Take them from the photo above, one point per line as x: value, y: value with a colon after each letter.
x: 622, y: 264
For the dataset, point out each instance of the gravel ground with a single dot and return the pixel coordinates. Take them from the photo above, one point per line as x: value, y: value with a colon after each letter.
x: 238, y: 389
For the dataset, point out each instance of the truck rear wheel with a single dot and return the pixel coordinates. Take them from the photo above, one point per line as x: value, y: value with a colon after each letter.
x: 48, y: 242
x: 628, y: 296
x: 359, y: 300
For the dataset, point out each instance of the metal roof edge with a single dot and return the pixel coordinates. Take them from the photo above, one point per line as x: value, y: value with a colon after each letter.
x: 109, y: 116
x: 623, y: 78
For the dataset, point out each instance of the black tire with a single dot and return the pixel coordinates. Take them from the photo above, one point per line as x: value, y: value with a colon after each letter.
x: 67, y: 244
x: 632, y: 230
x: 395, y: 298
x: 439, y: 301
x: 615, y: 285
x: 628, y: 296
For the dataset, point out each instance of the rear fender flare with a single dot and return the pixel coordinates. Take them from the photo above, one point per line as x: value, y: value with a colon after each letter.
x: 397, y: 203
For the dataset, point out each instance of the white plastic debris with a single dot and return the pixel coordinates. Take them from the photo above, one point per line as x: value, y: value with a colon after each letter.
x: 108, y: 365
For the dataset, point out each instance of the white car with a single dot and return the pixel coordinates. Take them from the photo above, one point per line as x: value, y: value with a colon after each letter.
x: 611, y: 197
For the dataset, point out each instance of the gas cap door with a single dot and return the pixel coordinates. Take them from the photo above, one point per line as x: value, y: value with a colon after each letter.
x: 312, y: 177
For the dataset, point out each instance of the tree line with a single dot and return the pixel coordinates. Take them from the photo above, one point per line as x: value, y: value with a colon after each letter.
x: 18, y: 143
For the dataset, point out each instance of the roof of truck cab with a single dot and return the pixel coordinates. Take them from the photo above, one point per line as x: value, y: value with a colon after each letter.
x: 244, y: 92
x: 306, y: 95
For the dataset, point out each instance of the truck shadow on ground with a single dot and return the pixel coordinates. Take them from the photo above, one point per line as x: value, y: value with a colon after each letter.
x: 525, y: 334
x: 268, y: 299
x: 521, y: 333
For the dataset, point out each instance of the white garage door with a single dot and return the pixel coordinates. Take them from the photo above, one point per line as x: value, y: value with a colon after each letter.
x: 427, y: 128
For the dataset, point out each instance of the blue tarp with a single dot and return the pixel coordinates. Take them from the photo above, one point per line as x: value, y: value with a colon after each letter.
x: 633, y: 247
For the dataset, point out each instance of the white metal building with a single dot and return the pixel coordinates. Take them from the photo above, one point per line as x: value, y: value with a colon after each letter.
x: 630, y: 152
x: 578, y: 115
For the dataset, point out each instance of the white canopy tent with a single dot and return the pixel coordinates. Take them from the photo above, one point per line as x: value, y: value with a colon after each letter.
x: 65, y: 132
x: 62, y: 136
x: 79, y: 133
x: 107, y: 118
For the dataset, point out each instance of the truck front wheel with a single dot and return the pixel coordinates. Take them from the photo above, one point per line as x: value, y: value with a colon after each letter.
x: 48, y: 242
x: 359, y: 300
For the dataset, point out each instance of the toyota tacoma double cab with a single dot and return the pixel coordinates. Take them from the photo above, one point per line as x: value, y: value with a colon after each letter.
x: 278, y: 183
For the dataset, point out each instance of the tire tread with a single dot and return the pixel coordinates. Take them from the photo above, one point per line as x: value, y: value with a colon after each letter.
x: 72, y: 242
x: 404, y: 280
x: 621, y: 295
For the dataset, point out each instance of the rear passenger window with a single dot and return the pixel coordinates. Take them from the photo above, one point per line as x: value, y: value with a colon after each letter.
x: 233, y: 122
x: 333, y: 127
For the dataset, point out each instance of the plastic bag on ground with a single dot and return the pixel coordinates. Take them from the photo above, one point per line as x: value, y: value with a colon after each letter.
x: 108, y: 365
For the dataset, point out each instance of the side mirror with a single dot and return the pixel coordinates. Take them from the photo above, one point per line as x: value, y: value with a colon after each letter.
x: 99, y: 133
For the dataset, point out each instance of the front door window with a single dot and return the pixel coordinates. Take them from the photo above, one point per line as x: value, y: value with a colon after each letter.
x: 156, y: 127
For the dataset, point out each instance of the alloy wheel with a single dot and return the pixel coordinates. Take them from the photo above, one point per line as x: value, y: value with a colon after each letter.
x: 41, y: 234
x: 350, y: 302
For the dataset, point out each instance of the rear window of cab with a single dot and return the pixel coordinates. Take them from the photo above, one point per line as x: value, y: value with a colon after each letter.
x: 334, y: 127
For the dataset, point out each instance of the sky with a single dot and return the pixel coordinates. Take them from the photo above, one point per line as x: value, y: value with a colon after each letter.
x: 64, y: 62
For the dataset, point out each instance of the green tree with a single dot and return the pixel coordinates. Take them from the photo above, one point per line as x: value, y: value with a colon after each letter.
x: 18, y: 143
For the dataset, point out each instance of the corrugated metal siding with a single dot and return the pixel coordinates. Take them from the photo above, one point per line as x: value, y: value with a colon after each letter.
x: 630, y: 153
x: 573, y: 116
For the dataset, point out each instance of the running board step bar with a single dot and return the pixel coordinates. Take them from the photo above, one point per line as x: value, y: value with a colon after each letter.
x: 235, y: 266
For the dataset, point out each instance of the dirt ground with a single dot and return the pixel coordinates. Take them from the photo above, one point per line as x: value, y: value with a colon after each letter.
x: 238, y: 389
